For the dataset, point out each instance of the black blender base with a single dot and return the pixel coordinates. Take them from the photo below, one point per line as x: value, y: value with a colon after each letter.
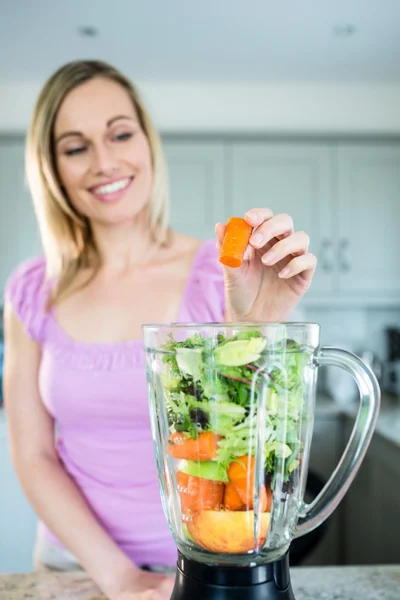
x: 197, y: 581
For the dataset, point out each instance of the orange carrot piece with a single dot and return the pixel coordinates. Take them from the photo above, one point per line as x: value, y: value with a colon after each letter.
x: 197, y: 494
x: 232, y: 500
x: 241, y: 476
x: 265, y: 499
x: 236, y: 240
x: 208, y: 494
x: 203, y: 448
x: 241, y: 470
x: 182, y: 479
x: 187, y: 502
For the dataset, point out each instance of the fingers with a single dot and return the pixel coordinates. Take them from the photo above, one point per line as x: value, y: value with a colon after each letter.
x: 253, y: 217
x: 304, y: 265
x: 278, y: 226
x: 296, y: 244
x: 162, y: 592
x: 256, y: 216
x: 220, y: 232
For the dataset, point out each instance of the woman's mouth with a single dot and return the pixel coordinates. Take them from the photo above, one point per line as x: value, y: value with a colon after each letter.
x: 113, y: 191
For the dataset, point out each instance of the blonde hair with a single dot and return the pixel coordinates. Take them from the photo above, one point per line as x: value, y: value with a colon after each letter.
x: 66, y: 236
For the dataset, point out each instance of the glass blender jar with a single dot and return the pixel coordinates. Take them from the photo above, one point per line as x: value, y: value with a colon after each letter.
x: 232, y: 413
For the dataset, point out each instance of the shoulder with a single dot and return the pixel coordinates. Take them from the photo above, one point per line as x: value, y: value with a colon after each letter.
x: 25, y: 290
x: 30, y: 270
x: 202, y: 253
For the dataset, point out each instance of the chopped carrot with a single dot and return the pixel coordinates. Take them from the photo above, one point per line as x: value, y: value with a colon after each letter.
x: 241, y: 476
x: 236, y: 240
x: 203, y: 448
x: 241, y: 471
x: 197, y: 493
x: 265, y: 499
x: 208, y: 493
x: 232, y: 500
x: 182, y: 480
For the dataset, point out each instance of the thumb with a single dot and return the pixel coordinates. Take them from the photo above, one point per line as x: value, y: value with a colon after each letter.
x: 220, y: 229
x: 164, y: 590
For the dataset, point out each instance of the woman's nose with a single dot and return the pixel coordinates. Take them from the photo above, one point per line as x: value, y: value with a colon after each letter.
x: 104, y: 162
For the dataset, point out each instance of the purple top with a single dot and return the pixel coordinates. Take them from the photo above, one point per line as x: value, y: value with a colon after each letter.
x: 97, y: 394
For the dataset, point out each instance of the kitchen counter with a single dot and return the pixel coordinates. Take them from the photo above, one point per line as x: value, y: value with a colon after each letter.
x: 388, y: 423
x: 309, y: 583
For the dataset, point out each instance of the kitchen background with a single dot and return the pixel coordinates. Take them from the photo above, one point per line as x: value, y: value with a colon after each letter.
x: 293, y: 106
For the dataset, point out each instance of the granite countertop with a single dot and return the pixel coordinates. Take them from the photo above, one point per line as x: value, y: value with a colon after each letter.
x: 309, y: 583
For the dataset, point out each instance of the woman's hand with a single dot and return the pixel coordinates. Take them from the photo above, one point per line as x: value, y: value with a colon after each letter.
x: 276, y: 273
x: 148, y: 586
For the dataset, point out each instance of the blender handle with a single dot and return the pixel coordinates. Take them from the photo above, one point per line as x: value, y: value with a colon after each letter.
x: 313, y: 514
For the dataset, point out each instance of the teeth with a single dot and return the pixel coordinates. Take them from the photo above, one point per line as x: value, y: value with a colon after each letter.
x: 112, y: 187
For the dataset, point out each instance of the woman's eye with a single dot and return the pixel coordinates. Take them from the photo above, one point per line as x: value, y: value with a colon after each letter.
x: 123, y: 136
x: 73, y: 151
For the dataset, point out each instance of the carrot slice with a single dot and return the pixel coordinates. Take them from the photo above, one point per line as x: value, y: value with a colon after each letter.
x: 197, y: 493
x: 236, y: 240
x: 241, y: 471
x: 203, y: 448
x: 182, y: 479
x: 208, y: 494
x: 232, y: 500
x: 265, y: 499
x: 241, y: 476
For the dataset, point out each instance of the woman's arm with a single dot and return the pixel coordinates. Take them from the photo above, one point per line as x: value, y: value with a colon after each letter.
x: 52, y: 493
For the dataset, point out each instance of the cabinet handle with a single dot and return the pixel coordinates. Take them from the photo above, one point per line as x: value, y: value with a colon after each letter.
x: 344, y: 262
x: 326, y: 255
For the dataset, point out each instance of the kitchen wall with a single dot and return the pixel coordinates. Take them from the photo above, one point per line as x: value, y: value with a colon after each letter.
x: 307, y: 108
x: 357, y: 327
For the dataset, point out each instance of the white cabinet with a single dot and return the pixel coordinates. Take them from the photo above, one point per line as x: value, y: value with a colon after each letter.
x: 197, y: 185
x: 18, y: 521
x: 19, y: 237
x: 291, y: 178
x: 346, y: 196
x: 368, y: 218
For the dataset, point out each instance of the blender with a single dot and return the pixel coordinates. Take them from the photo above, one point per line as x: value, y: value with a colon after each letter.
x: 232, y: 412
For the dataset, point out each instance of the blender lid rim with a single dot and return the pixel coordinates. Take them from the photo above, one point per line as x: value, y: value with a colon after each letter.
x: 225, y: 325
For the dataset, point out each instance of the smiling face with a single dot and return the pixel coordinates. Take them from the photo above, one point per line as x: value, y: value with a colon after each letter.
x: 103, y: 157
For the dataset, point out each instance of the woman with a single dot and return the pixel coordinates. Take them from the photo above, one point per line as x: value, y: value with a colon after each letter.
x: 73, y: 321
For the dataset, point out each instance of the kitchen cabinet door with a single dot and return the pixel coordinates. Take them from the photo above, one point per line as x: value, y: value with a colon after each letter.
x: 372, y: 507
x: 369, y: 219
x: 18, y: 521
x: 326, y: 448
x: 197, y: 185
x: 19, y: 237
x: 294, y: 178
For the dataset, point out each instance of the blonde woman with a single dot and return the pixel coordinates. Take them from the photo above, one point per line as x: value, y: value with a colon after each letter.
x: 73, y: 317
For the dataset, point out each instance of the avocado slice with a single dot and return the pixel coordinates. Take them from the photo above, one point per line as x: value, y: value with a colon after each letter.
x: 206, y: 469
x: 240, y: 352
x: 190, y: 361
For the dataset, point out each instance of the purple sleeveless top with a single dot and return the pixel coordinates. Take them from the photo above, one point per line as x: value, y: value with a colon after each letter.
x: 97, y: 394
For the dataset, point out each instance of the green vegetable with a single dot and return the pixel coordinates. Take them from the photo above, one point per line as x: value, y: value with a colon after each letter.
x: 207, y: 470
x: 190, y: 361
x: 240, y: 352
